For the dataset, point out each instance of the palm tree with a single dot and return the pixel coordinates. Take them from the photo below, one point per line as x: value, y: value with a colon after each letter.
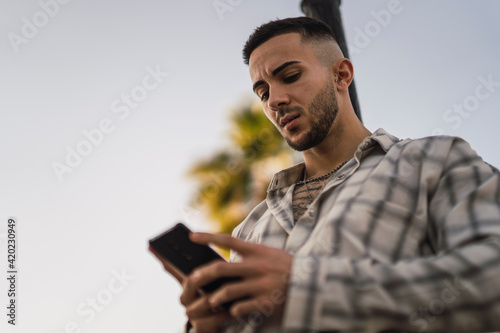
x: 233, y: 180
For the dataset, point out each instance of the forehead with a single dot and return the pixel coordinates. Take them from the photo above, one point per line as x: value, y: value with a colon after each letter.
x: 277, y: 51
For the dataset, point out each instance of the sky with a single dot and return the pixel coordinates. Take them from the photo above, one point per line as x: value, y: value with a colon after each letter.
x: 106, y: 104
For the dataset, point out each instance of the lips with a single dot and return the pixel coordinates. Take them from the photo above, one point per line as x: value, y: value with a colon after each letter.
x: 287, y: 119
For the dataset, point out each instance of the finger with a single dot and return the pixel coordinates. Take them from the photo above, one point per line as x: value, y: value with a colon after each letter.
x: 168, y: 266
x: 211, y: 324
x: 235, y: 291
x: 225, y: 241
x: 190, y: 291
x: 199, y: 278
x: 209, y: 273
x: 245, y: 307
x: 213, y: 271
x: 200, y: 308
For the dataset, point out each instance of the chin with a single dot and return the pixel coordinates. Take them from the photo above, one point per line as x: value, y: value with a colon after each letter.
x: 298, y: 144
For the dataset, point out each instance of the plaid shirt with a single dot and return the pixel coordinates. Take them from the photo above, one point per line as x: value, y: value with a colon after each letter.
x: 405, y: 236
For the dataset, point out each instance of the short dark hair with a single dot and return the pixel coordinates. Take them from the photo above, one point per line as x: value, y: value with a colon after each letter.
x: 308, y: 28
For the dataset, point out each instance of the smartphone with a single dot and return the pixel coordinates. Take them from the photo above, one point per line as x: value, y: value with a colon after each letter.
x: 175, y: 246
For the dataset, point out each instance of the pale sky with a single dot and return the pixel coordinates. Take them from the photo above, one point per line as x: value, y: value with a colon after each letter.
x: 421, y: 67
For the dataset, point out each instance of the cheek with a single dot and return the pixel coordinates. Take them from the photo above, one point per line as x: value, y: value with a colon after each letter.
x: 270, y: 114
x: 303, y: 93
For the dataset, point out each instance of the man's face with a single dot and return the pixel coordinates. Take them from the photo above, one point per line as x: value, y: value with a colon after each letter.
x: 296, y: 90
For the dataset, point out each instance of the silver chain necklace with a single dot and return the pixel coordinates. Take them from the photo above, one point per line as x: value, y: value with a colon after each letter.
x: 320, y: 178
x: 306, y: 181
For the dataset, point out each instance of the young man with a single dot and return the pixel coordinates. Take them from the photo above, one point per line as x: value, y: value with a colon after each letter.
x: 370, y: 233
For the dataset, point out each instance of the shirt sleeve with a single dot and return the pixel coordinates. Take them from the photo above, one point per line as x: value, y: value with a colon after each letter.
x: 455, y: 287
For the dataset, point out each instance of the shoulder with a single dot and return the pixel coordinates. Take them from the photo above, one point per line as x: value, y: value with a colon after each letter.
x: 449, y: 158
x: 389, y: 141
x: 443, y: 149
x: 432, y: 156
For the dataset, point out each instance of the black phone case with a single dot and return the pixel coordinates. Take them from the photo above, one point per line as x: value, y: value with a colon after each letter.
x: 175, y: 246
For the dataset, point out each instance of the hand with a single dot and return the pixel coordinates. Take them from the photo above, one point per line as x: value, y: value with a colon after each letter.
x: 208, y: 319
x: 264, y: 270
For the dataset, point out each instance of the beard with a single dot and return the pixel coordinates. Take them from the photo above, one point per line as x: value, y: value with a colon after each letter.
x: 322, y: 113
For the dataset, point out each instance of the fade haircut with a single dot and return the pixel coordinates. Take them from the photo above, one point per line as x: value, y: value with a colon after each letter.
x: 310, y: 30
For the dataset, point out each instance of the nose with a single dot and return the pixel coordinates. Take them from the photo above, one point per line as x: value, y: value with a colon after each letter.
x: 278, y: 98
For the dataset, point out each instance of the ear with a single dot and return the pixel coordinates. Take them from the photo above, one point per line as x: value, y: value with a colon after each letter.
x: 344, y: 74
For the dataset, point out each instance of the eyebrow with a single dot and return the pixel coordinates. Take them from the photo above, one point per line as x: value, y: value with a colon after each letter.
x: 275, y: 72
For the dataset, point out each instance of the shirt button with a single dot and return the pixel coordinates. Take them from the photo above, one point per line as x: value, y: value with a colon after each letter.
x: 311, y: 212
x: 341, y: 176
x: 275, y: 205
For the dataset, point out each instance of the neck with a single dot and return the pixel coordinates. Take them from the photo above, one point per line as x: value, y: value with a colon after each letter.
x: 339, y: 146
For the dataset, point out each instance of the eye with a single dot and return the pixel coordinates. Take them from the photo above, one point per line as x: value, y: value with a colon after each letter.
x: 264, y: 96
x: 291, y: 78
